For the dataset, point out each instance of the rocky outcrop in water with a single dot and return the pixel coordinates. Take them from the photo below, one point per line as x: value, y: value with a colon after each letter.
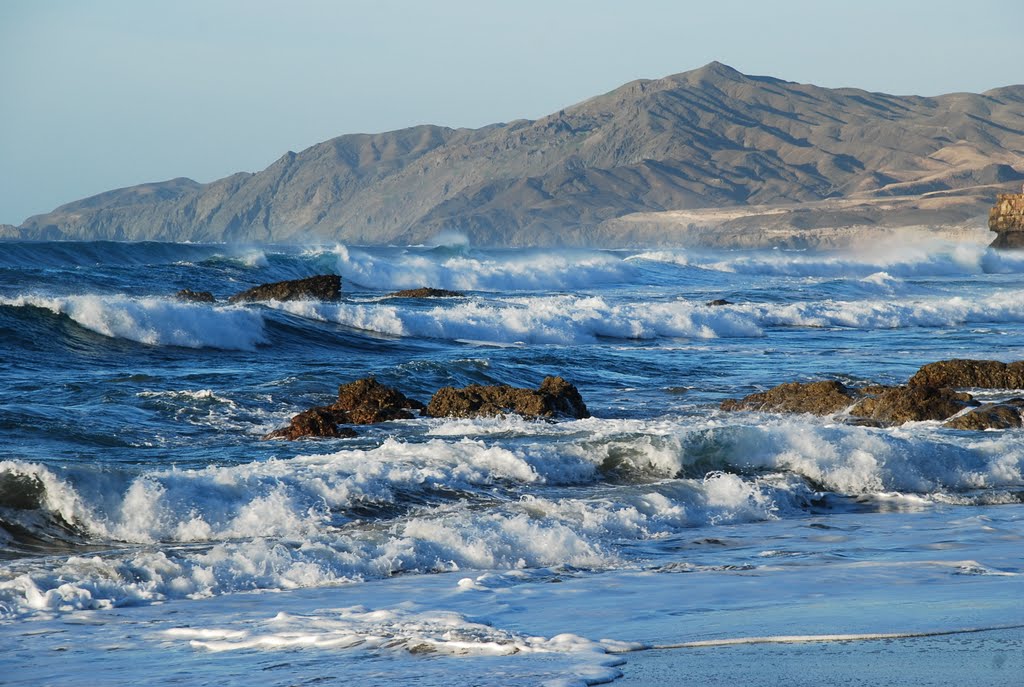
x: 900, y: 404
x: 555, y: 397
x: 362, y: 402
x: 323, y: 287
x: 367, y: 401
x: 319, y: 422
x: 190, y: 296
x: 1006, y: 218
x: 425, y: 292
x: 817, y: 398
x: 1004, y: 415
x: 971, y: 374
x: 931, y: 394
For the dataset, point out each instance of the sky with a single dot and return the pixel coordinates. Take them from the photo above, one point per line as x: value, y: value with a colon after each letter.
x: 102, y: 94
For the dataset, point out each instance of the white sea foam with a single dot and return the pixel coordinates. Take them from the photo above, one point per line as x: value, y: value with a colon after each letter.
x: 283, y: 524
x: 531, y: 271
x: 922, y: 259
x: 156, y: 321
x: 540, y: 320
x: 577, y: 319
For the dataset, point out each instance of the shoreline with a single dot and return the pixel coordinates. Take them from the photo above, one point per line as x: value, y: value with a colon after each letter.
x: 991, y: 657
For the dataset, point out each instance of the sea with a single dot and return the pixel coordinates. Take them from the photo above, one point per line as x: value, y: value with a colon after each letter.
x: 149, y: 535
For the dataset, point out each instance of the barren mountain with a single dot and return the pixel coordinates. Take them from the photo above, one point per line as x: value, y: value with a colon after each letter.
x: 711, y: 138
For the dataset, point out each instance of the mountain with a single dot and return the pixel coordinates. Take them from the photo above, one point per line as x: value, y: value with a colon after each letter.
x: 706, y: 141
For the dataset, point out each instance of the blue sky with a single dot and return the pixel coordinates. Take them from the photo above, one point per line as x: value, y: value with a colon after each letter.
x: 107, y: 93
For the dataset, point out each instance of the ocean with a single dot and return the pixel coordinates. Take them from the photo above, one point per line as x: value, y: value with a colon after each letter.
x: 148, y: 535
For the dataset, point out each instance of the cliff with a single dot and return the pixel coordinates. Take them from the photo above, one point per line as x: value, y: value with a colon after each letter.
x: 708, y: 138
x: 1006, y: 218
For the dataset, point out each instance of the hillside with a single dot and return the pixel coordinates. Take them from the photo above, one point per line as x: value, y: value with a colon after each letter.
x: 708, y: 138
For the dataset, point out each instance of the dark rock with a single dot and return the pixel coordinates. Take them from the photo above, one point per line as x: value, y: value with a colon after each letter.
x: 323, y: 287
x: 818, y: 398
x: 897, y: 405
x: 989, y: 416
x: 321, y: 421
x: 978, y: 374
x: 367, y: 401
x: 195, y: 296
x: 425, y: 292
x: 717, y: 302
x: 554, y: 397
x: 362, y: 402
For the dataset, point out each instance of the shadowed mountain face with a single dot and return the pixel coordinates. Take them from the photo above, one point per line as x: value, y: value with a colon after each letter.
x: 709, y: 138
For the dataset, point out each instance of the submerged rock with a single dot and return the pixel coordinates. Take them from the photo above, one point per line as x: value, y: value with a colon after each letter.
x: 718, y: 302
x: 191, y: 296
x: 978, y: 374
x: 900, y: 404
x: 323, y: 287
x: 554, y: 397
x: 362, y: 402
x: 1004, y: 415
x: 818, y: 398
x: 425, y: 292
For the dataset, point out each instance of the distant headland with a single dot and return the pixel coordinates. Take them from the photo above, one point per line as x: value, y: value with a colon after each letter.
x: 710, y: 156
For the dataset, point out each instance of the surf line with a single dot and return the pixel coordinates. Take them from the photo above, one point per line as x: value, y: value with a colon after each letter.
x: 806, y: 639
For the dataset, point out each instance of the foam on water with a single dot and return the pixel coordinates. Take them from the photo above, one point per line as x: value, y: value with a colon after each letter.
x: 156, y: 321
x: 922, y: 259
x: 468, y: 272
x: 498, y: 547
x: 540, y: 320
x: 577, y: 320
x: 283, y: 524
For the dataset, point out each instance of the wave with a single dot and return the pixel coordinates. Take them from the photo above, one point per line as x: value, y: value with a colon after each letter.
x: 155, y: 321
x: 250, y: 258
x: 926, y: 259
x: 540, y: 320
x: 580, y: 320
x: 444, y: 504
x: 519, y: 271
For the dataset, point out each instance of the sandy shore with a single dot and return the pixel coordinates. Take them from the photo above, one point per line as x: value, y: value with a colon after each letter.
x: 992, y: 658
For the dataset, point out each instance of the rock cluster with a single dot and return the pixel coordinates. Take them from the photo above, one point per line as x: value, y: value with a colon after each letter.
x: 931, y: 394
x: 323, y: 287
x: 554, y: 397
x: 363, y: 402
x: 1006, y: 218
x: 367, y: 401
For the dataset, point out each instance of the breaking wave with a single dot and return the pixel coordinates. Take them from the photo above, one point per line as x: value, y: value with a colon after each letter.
x: 155, y: 321
x: 586, y: 319
x: 402, y: 506
x: 518, y: 272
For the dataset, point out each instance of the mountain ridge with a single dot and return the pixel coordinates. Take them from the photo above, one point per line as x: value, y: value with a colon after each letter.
x: 712, y: 137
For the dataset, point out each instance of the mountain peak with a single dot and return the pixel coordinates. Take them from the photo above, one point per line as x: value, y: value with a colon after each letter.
x: 714, y: 71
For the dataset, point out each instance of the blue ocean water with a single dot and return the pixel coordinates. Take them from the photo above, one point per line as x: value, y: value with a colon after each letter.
x: 148, y: 534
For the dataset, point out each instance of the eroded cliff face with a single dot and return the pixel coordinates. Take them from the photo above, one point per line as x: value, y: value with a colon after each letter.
x: 1006, y: 218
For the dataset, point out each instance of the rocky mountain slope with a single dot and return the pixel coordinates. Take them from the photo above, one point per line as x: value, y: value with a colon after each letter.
x: 708, y: 138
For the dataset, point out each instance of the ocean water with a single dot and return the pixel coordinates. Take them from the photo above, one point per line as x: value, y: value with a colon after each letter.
x: 149, y: 536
